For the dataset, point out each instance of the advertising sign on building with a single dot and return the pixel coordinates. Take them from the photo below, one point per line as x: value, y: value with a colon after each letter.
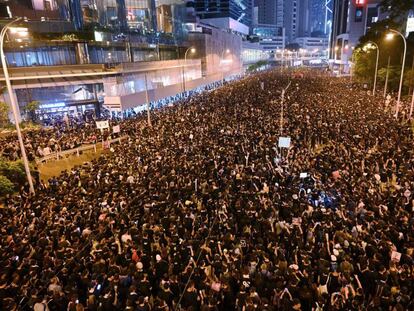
x: 410, y: 25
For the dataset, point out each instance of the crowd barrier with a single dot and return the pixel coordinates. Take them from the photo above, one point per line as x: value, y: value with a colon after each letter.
x: 62, y: 154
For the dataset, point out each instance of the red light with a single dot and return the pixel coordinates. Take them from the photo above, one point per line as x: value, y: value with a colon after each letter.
x: 359, y: 2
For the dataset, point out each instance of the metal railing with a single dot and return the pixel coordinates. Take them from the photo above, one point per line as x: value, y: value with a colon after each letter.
x: 54, y: 156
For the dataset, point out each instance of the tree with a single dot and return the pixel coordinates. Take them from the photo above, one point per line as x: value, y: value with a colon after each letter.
x: 364, y: 65
x: 31, y: 109
x: 409, y: 77
x: 393, y: 77
x: 4, y: 114
x: 6, y: 186
x: 257, y: 66
x: 14, y: 171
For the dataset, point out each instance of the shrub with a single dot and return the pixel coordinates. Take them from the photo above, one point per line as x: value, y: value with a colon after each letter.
x: 6, y: 186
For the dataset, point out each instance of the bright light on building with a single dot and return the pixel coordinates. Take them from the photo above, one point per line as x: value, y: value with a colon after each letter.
x: 389, y: 36
x: 21, y: 31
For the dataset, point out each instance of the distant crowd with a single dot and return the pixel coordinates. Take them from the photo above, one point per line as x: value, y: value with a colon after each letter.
x: 204, y: 210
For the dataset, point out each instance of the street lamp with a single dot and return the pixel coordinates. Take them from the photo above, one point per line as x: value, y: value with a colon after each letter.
x: 351, y: 71
x: 192, y: 50
x: 227, y: 51
x: 390, y: 36
x: 13, y: 99
x: 376, y: 67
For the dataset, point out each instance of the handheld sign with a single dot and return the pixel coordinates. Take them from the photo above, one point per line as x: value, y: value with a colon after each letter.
x: 284, y: 142
x: 303, y: 175
x: 106, y: 145
x: 102, y: 124
x: 395, y: 256
x: 116, y: 129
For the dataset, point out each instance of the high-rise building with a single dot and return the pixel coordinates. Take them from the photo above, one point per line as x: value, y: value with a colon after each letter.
x: 230, y: 14
x: 297, y: 19
x: 266, y: 27
x: 266, y: 11
x: 351, y: 20
x: 138, y: 16
x: 317, y: 17
x: 106, y: 53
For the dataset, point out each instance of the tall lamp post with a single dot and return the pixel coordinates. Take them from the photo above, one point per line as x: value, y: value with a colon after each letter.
x: 390, y: 36
x: 336, y: 49
x: 14, y: 103
x: 351, y: 70
x: 387, y: 76
x: 192, y: 50
x: 226, y: 51
x: 376, y: 66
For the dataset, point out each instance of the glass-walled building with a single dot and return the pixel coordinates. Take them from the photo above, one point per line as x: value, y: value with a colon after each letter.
x: 126, y: 16
x: 218, y: 11
x: 141, y: 16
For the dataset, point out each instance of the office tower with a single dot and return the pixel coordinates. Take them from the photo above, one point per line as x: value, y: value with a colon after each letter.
x: 317, y: 17
x: 297, y: 19
x: 233, y: 14
x: 351, y: 20
x: 266, y: 11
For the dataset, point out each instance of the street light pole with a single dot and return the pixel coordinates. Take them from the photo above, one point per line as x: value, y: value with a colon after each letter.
x: 222, y: 62
x: 402, y: 69
x: 376, y: 68
x: 412, y: 106
x: 386, y: 76
x: 282, y: 108
x: 353, y: 64
x: 148, y: 102
x: 185, y: 63
x: 14, y: 104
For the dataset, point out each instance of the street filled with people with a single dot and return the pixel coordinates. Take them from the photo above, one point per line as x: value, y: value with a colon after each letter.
x: 204, y: 210
x: 66, y: 132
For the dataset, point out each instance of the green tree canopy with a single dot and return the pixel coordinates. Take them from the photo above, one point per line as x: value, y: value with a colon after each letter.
x: 31, y: 109
x: 4, y: 114
x: 6, y: 186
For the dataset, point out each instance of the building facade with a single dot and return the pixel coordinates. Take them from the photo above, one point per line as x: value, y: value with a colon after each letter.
x: 236, y: 15
x: 351, y: 20
x: 84, y: 39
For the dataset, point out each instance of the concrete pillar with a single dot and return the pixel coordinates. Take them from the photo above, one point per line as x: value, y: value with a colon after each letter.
x: 82, y: 53
x: 129, y: 51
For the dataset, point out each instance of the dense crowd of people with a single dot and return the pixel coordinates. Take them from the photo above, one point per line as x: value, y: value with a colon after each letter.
x: 43, y: 141
x: 203, y: 210
x: 65, y: 132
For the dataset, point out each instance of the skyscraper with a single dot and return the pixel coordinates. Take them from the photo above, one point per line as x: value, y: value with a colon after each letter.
x: 297, y: 19
x: 266, y: 11
x: 351, y: 20
x: 317, y: 17
x: 227, y: 14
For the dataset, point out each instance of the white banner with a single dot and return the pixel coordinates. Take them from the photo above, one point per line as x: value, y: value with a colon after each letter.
x: 284, y: 142
x: 102, y: 124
